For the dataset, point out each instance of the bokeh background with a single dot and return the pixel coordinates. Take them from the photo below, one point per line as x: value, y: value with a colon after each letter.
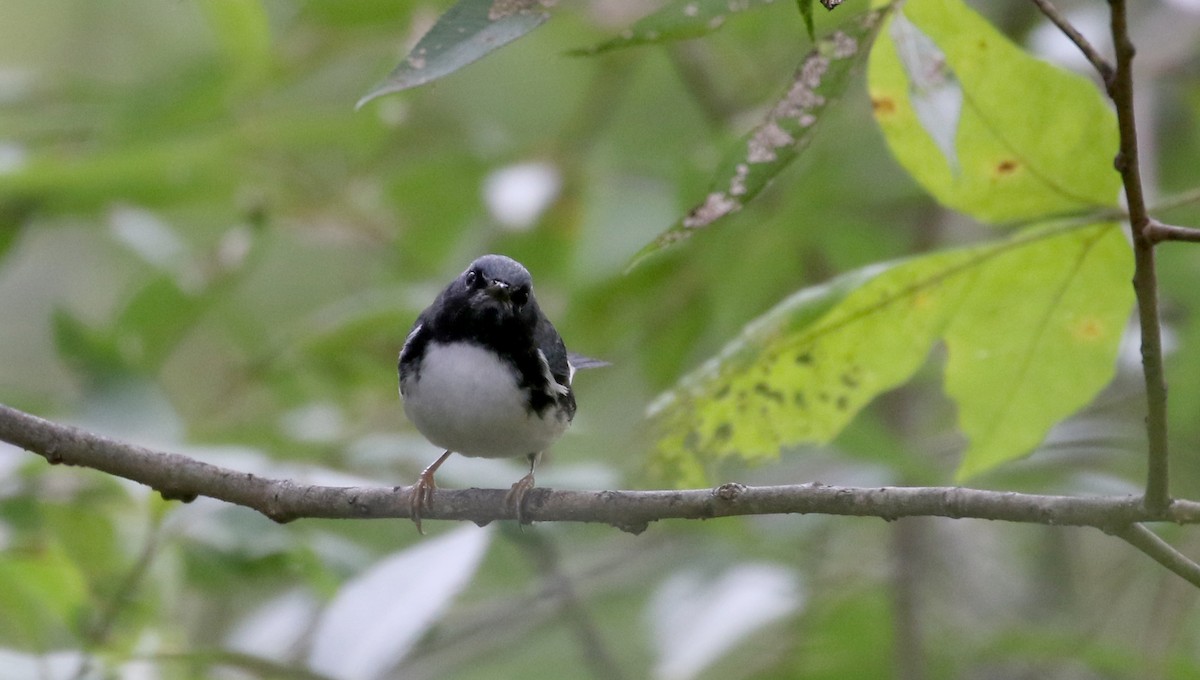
x: 205, y: 248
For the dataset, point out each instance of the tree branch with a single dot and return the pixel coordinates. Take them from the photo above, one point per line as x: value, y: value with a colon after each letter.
x: 1101, y: 64
x: 1162, y: 552
x: 1145, y: 283
x: 1157, y: 232
x: 179, y: 477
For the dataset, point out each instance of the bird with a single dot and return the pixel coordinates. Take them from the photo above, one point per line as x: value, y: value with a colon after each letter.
x: 485, y: 374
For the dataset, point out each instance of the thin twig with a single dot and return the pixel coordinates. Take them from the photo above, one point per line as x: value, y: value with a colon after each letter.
x: 1178, y: 201
x: 546, y: 559
x: 1101, y: 64
x: 1145, y: 283
x: 907, y: 567
x: 98, y: 633
x: 1158, y: 232
x: 1162, y: 552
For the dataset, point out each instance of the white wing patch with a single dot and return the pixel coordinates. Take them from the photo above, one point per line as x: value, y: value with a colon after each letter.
x: 412, y: 334
x: 557, y: 387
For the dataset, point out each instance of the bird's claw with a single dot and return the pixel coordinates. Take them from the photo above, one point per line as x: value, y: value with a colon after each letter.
x: 421, y: 498
x: 515, y: 498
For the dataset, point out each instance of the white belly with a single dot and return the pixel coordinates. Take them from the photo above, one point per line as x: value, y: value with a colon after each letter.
x: 467, y: 401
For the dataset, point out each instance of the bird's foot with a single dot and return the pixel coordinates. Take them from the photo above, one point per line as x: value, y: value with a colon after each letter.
x: 421, y: 498
x: 515, y: 499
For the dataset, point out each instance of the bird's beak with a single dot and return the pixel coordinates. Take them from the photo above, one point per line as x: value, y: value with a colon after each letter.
x: 499, y: 291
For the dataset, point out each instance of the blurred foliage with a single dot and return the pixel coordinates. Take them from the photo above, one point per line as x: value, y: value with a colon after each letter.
x: 205, y: 248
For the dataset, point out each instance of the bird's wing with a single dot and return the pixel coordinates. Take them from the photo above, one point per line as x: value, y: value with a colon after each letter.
x: 551, y: 344
x: 414, y: 345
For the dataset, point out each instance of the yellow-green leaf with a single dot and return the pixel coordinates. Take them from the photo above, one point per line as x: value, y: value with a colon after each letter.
x: 243, y: 32
x: 986, y: 128
x: 801, y: 372
x: 43, y: 599
x: 1036, y: 339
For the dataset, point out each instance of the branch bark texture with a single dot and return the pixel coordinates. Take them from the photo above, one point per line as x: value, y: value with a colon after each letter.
x: 1145, y: 281
x: 179, y: 477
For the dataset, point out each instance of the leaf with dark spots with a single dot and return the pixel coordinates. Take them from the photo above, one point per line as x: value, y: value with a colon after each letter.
x: 832, y: 349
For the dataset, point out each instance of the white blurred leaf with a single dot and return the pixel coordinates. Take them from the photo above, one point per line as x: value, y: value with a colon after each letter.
x: 517, y: 195
x: 934, y: 91
x: 59, y: 665
x: 375, y: 619
x: 695, y: 620
x: 148, y: 235
x: 274, y: 630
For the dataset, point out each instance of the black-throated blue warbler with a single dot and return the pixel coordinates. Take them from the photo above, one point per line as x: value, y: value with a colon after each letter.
x: 484, y: 373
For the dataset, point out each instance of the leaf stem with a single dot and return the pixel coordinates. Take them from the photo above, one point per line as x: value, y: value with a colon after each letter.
x: 1145, y: 283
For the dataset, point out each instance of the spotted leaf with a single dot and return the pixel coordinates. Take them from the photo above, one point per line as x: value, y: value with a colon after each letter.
x: 801, y: 372
x: 788, y: 128
x: 986, y: 128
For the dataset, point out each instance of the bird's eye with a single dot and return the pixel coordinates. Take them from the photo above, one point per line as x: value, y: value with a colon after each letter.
x: 520, y: 296
x: 471, y: 278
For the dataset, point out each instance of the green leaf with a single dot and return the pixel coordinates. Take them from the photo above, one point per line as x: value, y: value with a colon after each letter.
x: 43, y: 598
x: 8, y: 233
x: 90, y: 352
x: 467, y: 32
x: 155, y: 320
x: 149, y: 174
x: 243, y: 32
x: 986, y: 128
x: 1035, y: 340
x: 806, y: 13
x: 771, y: 146
x: 676, y: 20
x: 802, y: 371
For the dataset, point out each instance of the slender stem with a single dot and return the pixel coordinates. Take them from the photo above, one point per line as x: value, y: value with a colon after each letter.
x: 1149, y: 542
x: 908, y: 651
x: 1158, y: 232
x: 1145, y: 284
x: 98, y: 633
x: 1178, y: 201
x: 546, y: 559
x: 1101, y: 64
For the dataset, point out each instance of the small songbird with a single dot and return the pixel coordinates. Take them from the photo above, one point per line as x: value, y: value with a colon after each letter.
x: 483, y: 372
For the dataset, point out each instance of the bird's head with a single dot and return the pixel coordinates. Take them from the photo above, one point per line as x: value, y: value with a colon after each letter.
x: 495, y: 284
